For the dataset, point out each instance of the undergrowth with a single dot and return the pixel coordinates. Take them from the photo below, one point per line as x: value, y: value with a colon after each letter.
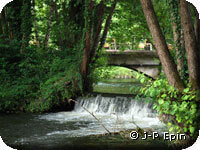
x: 178, y: 110
x: 37, y: 81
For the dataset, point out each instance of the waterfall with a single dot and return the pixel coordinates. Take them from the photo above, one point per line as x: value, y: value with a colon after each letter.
x: 116, y: 113
x: 118, y: 105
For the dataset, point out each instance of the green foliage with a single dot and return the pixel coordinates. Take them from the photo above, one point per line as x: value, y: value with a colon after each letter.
x: 38, y: 81
x: 63, y: 83
x: 127, y: 27
x: 55, y: 91
x: 27, y: 19
x: 111, y: 72
x: 179, y: 110
x: 179, y: 50
x: 34, y: 78
x: 129, y: 24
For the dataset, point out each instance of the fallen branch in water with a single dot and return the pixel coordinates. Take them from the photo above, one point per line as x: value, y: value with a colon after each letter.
x: 138, y: 129
x: 91, y: 114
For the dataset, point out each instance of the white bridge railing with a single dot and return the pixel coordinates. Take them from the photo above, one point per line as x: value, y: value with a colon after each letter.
x: 126, y: 46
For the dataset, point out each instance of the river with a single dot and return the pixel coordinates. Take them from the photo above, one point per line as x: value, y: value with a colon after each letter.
x: 64, y: 130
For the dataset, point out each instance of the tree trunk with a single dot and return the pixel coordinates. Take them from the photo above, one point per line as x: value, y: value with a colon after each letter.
x: 26, y: 25
x: 166, y: 59
x: 97, y: 26
x: 92, y: 38
x: 1, y: 24
x: 197, y: 27
x: 180, y: 57
x: 84, y: 68
x: 177, y: 41
x: 86, y: 52
x: 15, y: 19
x: 59, y: 34
x: 35, y: 25
x: 107, y: 25
x: 46, y: 40
x: 190, y: 45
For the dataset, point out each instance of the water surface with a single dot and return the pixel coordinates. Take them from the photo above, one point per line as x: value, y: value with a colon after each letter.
x: 116, y: 86
x: 78, y: 128
x: 55, y: 129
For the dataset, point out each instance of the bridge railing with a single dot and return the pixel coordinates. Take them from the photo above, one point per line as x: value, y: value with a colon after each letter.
x: 126, y: 46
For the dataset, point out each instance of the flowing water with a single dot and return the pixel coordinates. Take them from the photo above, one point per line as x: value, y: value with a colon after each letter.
x: 116, y: 86
x: 54, y: 129
x: 115, y: 113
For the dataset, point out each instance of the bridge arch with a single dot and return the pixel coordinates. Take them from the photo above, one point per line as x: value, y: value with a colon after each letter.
x: 146, y: 62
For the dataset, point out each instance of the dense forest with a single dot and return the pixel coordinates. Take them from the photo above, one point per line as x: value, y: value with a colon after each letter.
x: 50, y: 51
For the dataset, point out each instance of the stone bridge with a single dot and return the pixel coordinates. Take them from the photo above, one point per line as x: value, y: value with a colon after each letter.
x: 143, y: 61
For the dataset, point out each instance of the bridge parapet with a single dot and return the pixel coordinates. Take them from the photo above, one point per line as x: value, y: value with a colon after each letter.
x: 141, y: 53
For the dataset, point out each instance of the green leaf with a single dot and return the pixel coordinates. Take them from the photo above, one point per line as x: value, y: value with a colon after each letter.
x: 171, y: 129
x: 160, y: 101
x: 177, y: 127
x: 193, y: 106
x: 193, y: 111
x: 184, y: 105
x: 158, y: 108
x: 186, y: 90
x: 164, y: 95
x: 185, y: 129
x: 172, y: 112
x: 179, y: 120
x: 142, y: 80
x: 192, y: 129
x: 169, y: 123
x: 186, y: 97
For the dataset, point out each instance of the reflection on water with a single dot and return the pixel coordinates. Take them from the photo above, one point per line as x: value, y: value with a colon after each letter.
x: 116, y: 86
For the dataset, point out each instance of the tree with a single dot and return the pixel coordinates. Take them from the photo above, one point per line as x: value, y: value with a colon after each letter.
x: 26, y: 25
x: 130, y: 27
x: 190, y: 45
x: 93, y: 25
x: 35, y: 25
x: 171, y: 106
x: 4, y: 25
x: 47, y: 36
x: 166, y: 59
x: 16, y: 24
x: 197, y: 26
x: 177, y: 35
x: 107, y: 25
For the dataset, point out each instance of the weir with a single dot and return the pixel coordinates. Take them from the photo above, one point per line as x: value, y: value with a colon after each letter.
x: 116, y: 113
x: 117, y: 105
